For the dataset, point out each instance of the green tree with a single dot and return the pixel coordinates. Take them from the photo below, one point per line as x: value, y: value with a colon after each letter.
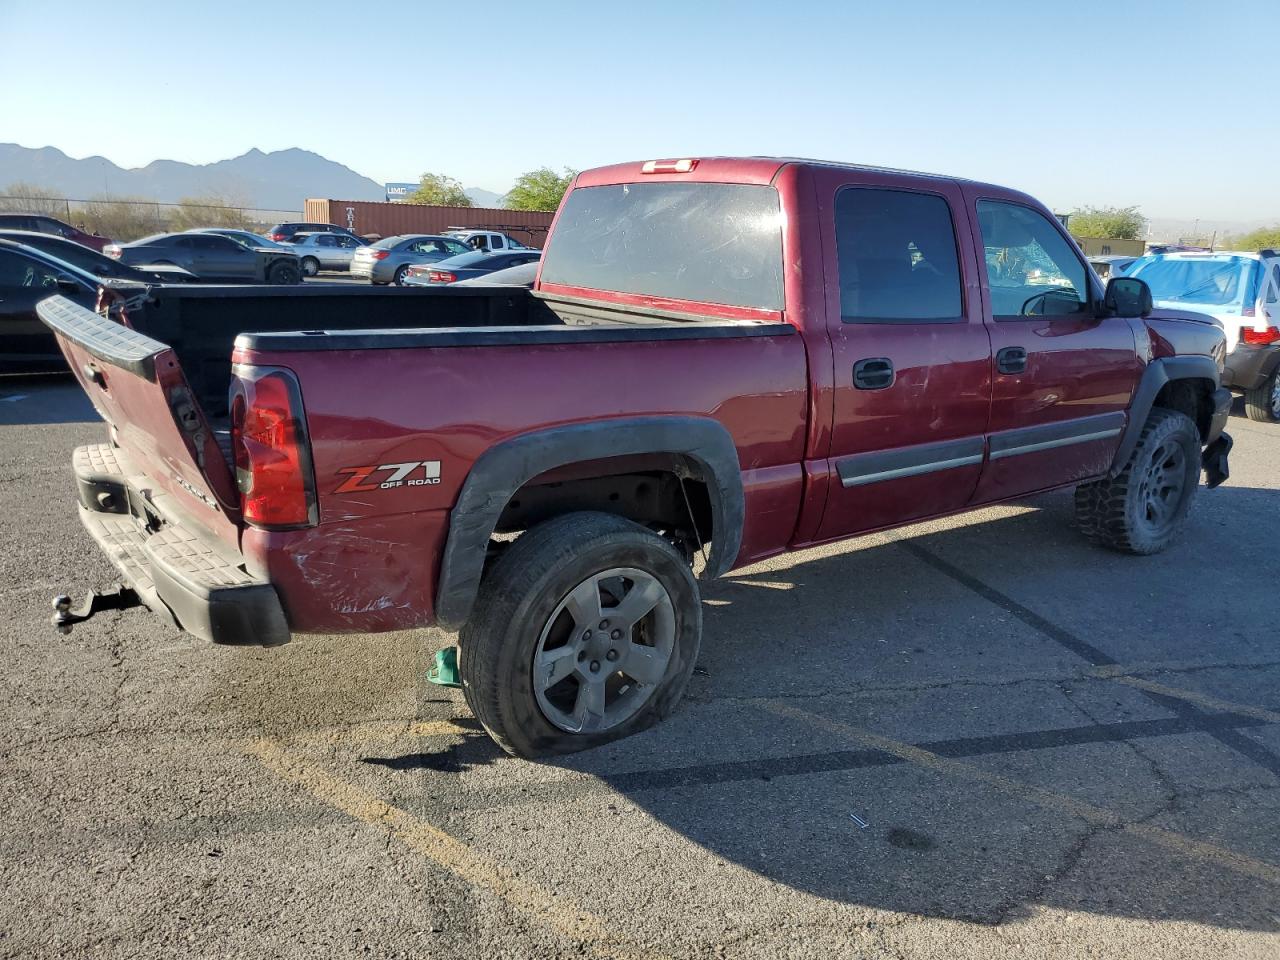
x: 1112, y: 223
x: 1260, y: 239
x: 439, y: 190
x: 539, y: 189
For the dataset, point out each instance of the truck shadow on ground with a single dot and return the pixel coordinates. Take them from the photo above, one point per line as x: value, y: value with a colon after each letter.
x: 1054, y: 788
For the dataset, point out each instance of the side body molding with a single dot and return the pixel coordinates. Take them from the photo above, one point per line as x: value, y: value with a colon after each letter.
x: 1158, y: 373
x: 504, y: 468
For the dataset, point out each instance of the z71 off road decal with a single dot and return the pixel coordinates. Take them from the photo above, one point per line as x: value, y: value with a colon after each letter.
x: 419, y: 473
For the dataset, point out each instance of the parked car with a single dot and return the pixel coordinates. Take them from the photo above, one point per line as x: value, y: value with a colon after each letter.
x: 210, y: 257
x: 247, y: 237
x: 522, y: 276
x: 324, y: 251
x: 283, y: 232
x: 467, y: 266
x: 767, y: 355
x: 27, y: 276
x: 1242, y: 291
x: 388, y: 260
x: 98, y: 264
x: 1108, y: 265
x: 485, y: 239
x: 40, y: 223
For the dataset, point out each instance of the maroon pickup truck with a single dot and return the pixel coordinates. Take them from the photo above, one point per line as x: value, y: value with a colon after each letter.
x: 721, y: 360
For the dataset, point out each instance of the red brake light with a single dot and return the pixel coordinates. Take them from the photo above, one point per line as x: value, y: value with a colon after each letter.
x: 669, y: 166
x: 278, y: 237
x: 381, y: 254
x: 1261, y: 337
x: 272, y: 452
x: 112, y: 251
x: 441, y: 276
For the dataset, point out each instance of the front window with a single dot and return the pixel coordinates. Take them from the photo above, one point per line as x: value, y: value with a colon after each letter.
x: 1031, y: 268
x: 1216, y: 281
x: 704, y: 242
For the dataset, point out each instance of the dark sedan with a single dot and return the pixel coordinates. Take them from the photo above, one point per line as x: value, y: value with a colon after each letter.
x: 27, y: 276
x: 96, y: 263
x: 210, y: 257
x: 41, y: 223
x: 467, y: 266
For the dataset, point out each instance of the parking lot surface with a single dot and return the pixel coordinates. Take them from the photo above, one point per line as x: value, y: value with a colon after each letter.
x: 970, y: 738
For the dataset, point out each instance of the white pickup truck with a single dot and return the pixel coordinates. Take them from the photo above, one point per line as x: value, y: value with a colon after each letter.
x: 485, y: 239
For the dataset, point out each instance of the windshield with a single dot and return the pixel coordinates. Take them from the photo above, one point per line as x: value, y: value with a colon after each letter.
x: 705, y: 242
x: 1213, y: 282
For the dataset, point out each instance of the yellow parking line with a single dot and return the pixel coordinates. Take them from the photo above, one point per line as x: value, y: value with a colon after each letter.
x: 1199, y: 699
x: 1099, y: 816
x: 534, y: 901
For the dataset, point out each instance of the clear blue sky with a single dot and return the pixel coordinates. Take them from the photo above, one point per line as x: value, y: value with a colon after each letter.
x: 1078, y: 102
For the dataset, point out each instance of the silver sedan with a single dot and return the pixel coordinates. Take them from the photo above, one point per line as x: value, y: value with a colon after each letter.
x: 388, y: 259
x: 323, y: 251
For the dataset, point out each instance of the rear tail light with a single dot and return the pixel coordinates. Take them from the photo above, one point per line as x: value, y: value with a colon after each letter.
x: 112, y: 251
x: 278, y: 237
x: 271, y: 448
x: 1261, y: 337
x: 441, y: 276
x: 381, y: 254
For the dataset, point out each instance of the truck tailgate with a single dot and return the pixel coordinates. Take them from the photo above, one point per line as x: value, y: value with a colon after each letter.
x: 138, y: 387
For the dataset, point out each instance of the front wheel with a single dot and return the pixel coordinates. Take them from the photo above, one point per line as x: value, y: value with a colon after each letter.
x: 585, y: 631
x: 1143, y: 508
x: 283, y: 273
x: 1263, y: 404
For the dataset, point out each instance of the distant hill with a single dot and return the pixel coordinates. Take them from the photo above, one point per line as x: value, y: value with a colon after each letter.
x: 279, y: 180
x: 485, y: 198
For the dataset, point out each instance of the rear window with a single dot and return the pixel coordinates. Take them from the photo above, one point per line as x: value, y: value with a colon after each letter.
x: 705, y: 242
x: 388, y: 243
x: 1214, y: 282
x: 470, y: 259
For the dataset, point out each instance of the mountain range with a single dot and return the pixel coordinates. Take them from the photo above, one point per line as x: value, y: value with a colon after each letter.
x: 279, y: 180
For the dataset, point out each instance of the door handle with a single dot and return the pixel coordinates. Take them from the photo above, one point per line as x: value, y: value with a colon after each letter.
x: 874, y: 373
x: 1011, y: 360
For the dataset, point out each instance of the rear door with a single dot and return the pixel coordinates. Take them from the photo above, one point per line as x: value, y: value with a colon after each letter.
x: 138, y: 387
x: 1063, y: 377
x: 912, y: 355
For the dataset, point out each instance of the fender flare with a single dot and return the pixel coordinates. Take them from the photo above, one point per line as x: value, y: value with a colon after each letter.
x: 1158, y: 373
x: 507, y: 466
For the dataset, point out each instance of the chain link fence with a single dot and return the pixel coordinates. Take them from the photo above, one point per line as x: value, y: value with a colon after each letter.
x: 129, y: 219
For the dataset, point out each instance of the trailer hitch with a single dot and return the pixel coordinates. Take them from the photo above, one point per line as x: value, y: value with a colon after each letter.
x: 64, y: 616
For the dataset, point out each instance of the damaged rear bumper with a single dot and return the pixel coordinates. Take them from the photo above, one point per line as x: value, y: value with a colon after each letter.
x: 1217, y: 443
x: 178, y: 570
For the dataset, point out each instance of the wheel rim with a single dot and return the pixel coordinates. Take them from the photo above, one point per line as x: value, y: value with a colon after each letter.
x: 604, y: 650
x: 310, y: 268
x: 1163, y: 483
x: 1275, y: 397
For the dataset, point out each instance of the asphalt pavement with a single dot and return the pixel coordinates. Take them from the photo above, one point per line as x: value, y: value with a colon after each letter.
x: 971, y: 738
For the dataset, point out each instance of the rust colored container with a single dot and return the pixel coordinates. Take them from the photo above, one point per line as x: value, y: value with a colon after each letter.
x: 389, y: 219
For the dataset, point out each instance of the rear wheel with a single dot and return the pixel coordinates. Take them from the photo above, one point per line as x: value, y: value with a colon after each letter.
x: 1263, y: 404
x: 585, y: 631
x: 310, y: 266
x: 282, y: 273
x: 398, y: 279
x: 1143, y: 508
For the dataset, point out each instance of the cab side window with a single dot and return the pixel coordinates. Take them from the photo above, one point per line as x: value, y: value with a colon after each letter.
x: 897, y: 258
x: 1032, y: 269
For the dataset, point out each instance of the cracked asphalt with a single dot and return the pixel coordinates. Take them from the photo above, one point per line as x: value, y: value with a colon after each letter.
x: 1049, y: 750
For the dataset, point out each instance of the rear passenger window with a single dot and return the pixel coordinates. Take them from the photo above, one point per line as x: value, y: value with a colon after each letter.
x: 897, y: 258
x: 1032, y: 270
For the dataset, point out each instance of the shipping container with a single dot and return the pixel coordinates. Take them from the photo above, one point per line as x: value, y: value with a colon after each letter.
x: 369, y: 218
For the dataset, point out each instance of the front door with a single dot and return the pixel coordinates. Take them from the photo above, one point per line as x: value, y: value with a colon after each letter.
x: 912, y: 356
x: 1063, y: 376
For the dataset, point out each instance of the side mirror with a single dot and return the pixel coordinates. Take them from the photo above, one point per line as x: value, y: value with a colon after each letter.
x: 68, y: 286
x: 1127, y: 297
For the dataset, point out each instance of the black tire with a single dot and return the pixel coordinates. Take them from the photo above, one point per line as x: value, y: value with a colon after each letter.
x: 398, y: 279
x: 1263, y: 404
x: 283, y: 273
x: 518, y: 601
x: 1143, y: 508
x: 310, y: 266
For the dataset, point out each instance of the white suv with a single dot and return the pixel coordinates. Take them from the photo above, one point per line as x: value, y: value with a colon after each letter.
x: 1242, y: 290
